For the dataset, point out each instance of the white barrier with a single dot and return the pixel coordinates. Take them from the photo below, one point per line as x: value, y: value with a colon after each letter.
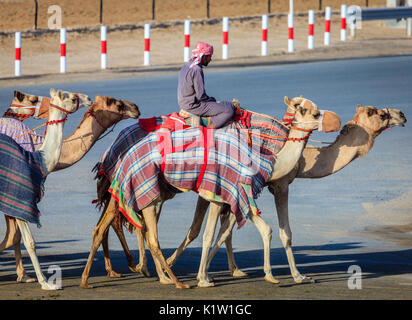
x: 103, y: 47
x: 186, y: 50
x: 17, y: 59
x: 225, y: 42
x: 328, y: 13
x: 146, y: 61
x: 343, y: 22
x: 264, y: 49
x: 291, y: 46
x: 311, y: 21
x: 62, y: 50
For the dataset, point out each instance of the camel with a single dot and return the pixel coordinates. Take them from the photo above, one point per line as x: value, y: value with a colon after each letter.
x: 101, y: 115
x: 322, y: 161
x: 355, y: 140
x: 24, y: 173
x: 306, y: 120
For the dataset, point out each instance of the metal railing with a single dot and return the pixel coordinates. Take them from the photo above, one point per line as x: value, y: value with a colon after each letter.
x: 355, y: 14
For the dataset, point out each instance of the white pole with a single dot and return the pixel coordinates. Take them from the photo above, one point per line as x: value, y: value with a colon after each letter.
x: 17, y: 61
x: 291, y: 47
x: 311, y: 20
x: 186, y: 50
x: 147, y: 44
x: 290, y: 6
x: 225, y: 43
x: 343, y: 22
x: 62, y: 50
x: 328, y: 13
x: 264, y: 50
x: 103, y: 45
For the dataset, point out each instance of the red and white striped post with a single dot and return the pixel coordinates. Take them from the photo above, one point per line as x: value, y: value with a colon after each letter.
x: 264, y: 50
x: 225, y: 43
x: 146, y: 61
x: 328, y: 13
x: 311, y: 21
x: 186, y: 50
x: 291, y: 46
x: 17, y: 61
x: 343, y: 22
x: 103, y: 46
x: 62, y: 50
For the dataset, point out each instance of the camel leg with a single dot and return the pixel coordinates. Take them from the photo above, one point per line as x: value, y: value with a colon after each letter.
x: 31, y: 249
x: 107, y: 263
x: 208, y: 235
x: 285, y: 233
x: 98, y: 235
x: 149, y: 215
x: 266, y: 234
x: 142, y: 266
x: 13, y: 238
x: 225, y: 231
x: 194, y: 230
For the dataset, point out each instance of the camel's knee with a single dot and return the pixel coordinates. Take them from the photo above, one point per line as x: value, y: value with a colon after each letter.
x: 285, y: 237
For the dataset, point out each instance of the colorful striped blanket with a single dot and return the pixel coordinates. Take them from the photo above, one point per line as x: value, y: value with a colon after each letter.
x: 15, y: 129
x: 235, y: 176
x: 21, y: 180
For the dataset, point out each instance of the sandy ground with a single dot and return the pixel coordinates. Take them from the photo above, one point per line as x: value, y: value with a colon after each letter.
x: 40, y: 64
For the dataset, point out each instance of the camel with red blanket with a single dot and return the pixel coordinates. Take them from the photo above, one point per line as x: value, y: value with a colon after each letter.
x: 142, y: 210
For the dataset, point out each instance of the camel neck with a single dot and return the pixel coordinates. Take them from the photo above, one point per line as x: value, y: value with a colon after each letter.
x: 51, y: 147
x: 290, y: 153
x: 352, y: 142
x: 76, y: 145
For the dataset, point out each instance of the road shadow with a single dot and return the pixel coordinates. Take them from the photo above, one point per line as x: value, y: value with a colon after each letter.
x: 325, y: 263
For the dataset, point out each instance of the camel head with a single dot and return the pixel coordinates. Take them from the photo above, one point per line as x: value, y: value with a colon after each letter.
x: 67, y: 101
x: 375, y: 120
x: 113, y: 110
x: 307, y: 116
x: 38, y: 106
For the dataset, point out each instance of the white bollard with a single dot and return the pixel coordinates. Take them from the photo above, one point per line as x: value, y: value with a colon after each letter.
x: 311, y: 20
x: 291, y: 47
x: 147, y: 44
x: 103, y: 46
x: 63, y: 50
x: 17, y: 61
x: 328, y: 13
x: 225, y: 43
x: 186, y: 50
x: 264, y: 50
x: 343, y: 22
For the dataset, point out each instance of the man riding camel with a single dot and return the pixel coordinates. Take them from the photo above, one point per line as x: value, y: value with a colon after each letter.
x: 191, y: 94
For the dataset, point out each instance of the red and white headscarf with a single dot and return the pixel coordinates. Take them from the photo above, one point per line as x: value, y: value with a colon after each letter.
x: 201, y: 49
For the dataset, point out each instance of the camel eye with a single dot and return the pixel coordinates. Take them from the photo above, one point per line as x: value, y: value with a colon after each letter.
x: 372, y: 112
x: 302, y: 111
x: 121, y: 106
x: 317, y: 115
x: 296, y: 105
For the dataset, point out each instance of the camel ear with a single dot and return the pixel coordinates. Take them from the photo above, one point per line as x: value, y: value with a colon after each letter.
x: 287, y: 100
x: 360, y: 108
x: 60, y: 94
x: 52, y: 92
x: 98, y: 98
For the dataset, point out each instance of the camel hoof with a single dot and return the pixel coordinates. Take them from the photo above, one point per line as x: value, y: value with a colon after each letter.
x: 142, y: 269
x: 271, y: 279
x: 85, y: 286
x: 205, y: 284
x: 180, y: 285
x: 166, y: 280
x: 113, y: 274
x: 48, y: 286
x: 237, y: 273
x: 25, y: 279
x: 304, y: 279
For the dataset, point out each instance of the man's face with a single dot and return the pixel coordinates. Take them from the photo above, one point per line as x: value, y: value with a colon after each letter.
x: 206, y: 59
